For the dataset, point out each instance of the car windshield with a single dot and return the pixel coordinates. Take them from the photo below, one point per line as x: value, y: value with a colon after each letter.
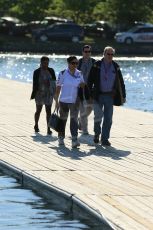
x: 133, y: 29
x: 51, y: 26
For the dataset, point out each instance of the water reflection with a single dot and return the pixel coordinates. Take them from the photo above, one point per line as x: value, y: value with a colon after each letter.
x: 21, y: 209
x: 137, y: 73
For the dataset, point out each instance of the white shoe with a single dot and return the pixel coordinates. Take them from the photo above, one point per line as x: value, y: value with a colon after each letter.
x: 61, y: 141
x: 75, y: 143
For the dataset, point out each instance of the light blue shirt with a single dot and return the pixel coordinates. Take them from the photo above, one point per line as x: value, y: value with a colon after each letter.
x: 107, y: 76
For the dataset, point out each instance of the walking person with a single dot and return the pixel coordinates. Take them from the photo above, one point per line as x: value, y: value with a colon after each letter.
x: 107, y: 88
x: 85, y: 64
x: 68, y: 83
x: 44, y: 86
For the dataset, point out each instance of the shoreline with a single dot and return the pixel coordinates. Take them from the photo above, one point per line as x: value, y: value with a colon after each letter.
x: 27, y: 45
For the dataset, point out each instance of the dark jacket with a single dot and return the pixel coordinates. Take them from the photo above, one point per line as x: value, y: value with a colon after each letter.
x: 80, y: 63
x: 36, y: 75
x: 84, y: 93
x: 118, y: 92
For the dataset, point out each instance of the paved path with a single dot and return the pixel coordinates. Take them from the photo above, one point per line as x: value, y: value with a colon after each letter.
x: 115, y: 181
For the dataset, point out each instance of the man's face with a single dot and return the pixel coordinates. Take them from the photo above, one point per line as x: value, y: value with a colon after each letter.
x: 108, y: 56
x: 44, y: 64
x: 86, y: 52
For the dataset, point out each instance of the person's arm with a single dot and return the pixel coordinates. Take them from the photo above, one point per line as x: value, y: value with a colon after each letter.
x: 82, y: 83
x: 34, y: 85
x: 56, y: 96
x: 122, y: 83
x: 51, y: 70
x: 58, y: 88
x: 90, y: 81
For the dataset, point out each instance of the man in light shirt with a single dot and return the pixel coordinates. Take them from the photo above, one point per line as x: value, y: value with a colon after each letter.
x: 107, y: 88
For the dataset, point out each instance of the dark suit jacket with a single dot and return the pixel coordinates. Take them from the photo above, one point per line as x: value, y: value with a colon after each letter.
x: 118, y: 92
x: 36, y: 75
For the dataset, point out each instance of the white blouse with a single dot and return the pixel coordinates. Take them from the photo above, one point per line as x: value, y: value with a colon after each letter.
x: 69, y: 85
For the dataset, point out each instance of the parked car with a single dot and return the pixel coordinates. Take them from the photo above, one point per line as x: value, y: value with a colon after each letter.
x: 52, y: 20
x: 37, y: 25
x: 99, y: 28
x: 47, y: 21
x: 60, y: 31
x: 13, y: 26
x: 141, y: 34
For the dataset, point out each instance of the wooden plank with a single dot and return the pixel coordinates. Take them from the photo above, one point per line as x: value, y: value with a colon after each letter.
x: 116, y: 181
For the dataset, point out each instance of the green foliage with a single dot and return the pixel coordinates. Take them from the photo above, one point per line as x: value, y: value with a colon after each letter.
x: 81, y: 11
x: 127, y: 11
x: 30, y: 9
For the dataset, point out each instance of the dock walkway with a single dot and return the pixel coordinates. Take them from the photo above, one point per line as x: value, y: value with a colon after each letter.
x: 116, y: 182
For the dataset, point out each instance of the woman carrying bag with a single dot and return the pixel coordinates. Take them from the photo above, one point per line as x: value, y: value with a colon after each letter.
x: 67, y: 86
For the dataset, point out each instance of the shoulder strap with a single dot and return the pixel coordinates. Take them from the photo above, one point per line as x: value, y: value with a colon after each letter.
x: 63, y: 71
x: 80, y: 63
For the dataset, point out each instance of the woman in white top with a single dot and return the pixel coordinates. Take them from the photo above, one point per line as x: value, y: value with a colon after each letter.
x: 69, y: 80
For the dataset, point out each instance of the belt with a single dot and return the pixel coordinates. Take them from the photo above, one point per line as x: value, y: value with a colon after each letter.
x: 106, y: 93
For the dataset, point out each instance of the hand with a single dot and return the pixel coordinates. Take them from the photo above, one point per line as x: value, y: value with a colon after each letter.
x: 91, y: 100
x: 56, y: 105
x: 82, y: 84
x: 124, y: 100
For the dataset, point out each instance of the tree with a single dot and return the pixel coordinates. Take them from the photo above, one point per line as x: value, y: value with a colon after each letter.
x: 5, y: 5
x: 30, y: 9
x: 127, y: 11
x: 80, y: 10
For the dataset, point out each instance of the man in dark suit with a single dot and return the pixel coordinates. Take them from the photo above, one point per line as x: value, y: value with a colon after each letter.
x: 107, y: 88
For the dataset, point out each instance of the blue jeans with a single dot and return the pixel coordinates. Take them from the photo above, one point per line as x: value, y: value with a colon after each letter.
x: 103, y: 109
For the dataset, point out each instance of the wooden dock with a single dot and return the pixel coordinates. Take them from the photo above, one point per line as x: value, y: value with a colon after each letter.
x: 116, y: 182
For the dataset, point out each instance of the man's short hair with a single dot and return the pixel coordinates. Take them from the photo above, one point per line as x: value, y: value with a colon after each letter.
x: 109, y: 48
x: 86, y: 46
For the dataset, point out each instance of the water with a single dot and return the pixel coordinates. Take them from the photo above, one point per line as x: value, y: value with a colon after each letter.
x: 21, y: 209
x: 137, y: 73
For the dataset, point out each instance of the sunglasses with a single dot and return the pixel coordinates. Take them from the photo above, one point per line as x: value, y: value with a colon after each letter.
x: 110, y: 54
x: 74, y: 63
x: 87, y: 51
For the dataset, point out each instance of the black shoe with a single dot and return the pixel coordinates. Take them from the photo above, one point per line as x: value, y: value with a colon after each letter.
x: 36, y: 129
x: 106, y: 143
x: 49, y: 132
x: 96, y: 139
x: 79, y: 125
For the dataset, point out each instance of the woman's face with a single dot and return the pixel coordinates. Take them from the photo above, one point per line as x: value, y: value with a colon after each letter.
x: 73, y: 64
x: 44, y: 64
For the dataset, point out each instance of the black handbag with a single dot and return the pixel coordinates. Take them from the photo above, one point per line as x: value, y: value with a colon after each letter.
x: 55, y: 122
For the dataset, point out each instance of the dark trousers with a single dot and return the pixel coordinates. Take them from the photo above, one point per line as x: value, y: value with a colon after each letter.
x: 64, y: 109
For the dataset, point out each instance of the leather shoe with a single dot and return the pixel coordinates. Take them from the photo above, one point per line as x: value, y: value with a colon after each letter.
x: 96, y: 139
x: 36, y: 129
x: 49, y: 132
x: 106, y: 143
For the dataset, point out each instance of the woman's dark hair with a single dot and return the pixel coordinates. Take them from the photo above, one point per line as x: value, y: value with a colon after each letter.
x: 71, y: 58
x: 44, y: 58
